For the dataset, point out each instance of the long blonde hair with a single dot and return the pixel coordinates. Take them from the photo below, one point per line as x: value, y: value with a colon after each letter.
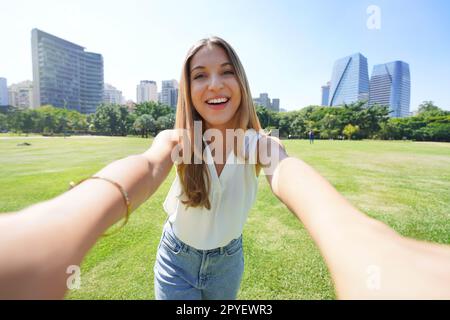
x: 193, y: 176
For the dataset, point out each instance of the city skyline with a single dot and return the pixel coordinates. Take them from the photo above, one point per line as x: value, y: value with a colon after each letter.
x: 389, y: 84
x: 299, y: 40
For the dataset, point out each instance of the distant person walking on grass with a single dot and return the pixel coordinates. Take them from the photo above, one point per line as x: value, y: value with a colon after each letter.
x: 311, y: 136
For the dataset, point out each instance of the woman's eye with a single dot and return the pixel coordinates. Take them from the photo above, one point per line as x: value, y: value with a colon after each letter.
x: 201, y: 75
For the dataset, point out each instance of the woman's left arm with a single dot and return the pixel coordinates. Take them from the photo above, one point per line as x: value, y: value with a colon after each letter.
x: 354, y: 245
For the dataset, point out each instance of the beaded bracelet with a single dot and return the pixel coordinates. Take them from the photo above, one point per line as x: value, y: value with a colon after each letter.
x: 122, y: 191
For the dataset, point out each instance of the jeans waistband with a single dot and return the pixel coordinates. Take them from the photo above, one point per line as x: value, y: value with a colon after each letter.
x: 185, y: 247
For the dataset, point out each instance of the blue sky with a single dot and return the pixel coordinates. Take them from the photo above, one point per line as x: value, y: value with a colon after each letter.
x: 287, y: 47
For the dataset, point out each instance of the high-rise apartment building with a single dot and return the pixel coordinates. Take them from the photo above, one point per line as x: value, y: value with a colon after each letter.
x: 147, y: 90
x: 21, y: 94
x: 112, y: 95
x: 64, y: 75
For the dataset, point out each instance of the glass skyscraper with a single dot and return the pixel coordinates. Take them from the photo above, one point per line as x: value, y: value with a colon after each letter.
x: 3, y: 92
x: 169, y: 93
x: 64, y: 75
x: 325, y: 94
x: 349, y: 80
x: 390, y: 85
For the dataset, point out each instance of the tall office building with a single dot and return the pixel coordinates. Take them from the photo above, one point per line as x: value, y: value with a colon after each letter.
x: 390, y: 85
x: 276, y: 104
x: 21, y: 94
x: 264, y: 100
x: 64, y: 75
x: 169, y: 93
x: 146, y: 91
x: 325, y: 94
x: 112, y: 95
x: 3, y: 92
x: 349, y: 80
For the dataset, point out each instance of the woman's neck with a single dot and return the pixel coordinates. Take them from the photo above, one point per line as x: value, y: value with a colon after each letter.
x: 230, y: 125
x: 226, y: 145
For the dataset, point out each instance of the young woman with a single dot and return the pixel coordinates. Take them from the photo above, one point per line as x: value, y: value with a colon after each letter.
x: 200, y: 256
x: 200, y: 253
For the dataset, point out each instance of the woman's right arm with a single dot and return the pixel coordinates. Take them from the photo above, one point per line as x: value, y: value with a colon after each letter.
x: 39, y: 243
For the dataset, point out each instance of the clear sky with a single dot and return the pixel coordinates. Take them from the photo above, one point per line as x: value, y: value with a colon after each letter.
x: 287, y: 47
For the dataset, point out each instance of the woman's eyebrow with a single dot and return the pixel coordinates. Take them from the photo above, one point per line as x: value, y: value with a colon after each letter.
x: 202, y: 67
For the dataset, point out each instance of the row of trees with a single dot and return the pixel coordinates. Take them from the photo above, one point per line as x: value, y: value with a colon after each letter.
x: 354, y: 121
x: 147, y: 118
x: 109, y: 119
x: 357, y: 121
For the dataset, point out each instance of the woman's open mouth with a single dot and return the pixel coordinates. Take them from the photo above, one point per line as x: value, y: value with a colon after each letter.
x: 217, y: 103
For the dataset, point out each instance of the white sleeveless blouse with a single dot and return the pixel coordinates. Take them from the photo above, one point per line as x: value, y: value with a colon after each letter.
x: 231, y: 196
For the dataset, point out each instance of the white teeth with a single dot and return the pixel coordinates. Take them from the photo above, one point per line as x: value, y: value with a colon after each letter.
x: 220, y: 100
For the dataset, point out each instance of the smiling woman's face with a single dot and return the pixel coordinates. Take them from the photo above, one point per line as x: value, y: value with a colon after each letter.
x: 215, y: 90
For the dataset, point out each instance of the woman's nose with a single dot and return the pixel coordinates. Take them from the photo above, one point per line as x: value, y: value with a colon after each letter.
x: 215, y: 83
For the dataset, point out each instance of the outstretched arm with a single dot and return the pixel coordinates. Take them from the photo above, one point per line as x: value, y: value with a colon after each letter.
x: 366, y: 258
x: 40, y: 242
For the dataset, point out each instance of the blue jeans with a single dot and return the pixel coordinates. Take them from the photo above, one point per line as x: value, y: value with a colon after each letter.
x: 185, y: 273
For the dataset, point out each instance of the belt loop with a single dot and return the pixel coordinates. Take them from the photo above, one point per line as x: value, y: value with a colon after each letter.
x: 221, y: 250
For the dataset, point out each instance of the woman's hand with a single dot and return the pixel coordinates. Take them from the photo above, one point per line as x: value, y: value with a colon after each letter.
x: 366, y: 258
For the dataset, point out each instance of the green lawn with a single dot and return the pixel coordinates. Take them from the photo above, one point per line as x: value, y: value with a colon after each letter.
x: 404, y: 184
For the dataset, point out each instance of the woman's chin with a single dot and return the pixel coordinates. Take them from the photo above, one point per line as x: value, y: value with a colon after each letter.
x: 219, y: 121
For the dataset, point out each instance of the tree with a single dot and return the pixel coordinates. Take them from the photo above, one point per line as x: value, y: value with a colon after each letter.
x: 297, y: 128
x: 131, y: 119
x: 350, y: 130
x: 145, y: 124
x: 3, y: 122
x: 370, y: 120
x: 47, y: 120
x: 428, y: 106
x: 77, y: 122
x: 328, y: 126
x: 263, y: 116
x: 155, y: 109
x: 163, y: 123
x: 109, y: 119
x: 123, y: 126
x: 22, y: 121
x: 285, y: 120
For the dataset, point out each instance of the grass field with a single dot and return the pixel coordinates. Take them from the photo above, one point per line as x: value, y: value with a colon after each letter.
x: 404, y: 184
